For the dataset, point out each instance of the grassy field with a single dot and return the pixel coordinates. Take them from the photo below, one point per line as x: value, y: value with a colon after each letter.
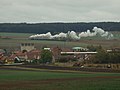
x: 39, y: 80
x: 18, y: 35
x: 13, y: 40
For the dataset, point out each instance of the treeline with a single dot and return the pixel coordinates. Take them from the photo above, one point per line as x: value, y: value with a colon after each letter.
x: 56, y: 27
x: 103, y: 56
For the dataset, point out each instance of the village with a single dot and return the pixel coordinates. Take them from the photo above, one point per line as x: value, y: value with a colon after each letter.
x: 28, y: 54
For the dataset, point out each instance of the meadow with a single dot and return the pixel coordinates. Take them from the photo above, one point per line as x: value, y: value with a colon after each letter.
x: 13, y: 40
x: 44, y: 80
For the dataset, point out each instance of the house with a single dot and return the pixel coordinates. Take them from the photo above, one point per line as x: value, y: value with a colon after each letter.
x: 6, y: 60
x: 116, y: 49
x: 2, y: 59
x: 28, y: 56
x: 33, y: 55
x: 21, y: 55
x: 56, y: 51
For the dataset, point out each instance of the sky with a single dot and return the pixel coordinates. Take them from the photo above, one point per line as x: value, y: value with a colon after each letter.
x: 34, y: 11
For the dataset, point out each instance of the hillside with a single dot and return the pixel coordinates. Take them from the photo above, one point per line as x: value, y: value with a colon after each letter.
x: 56, y: 27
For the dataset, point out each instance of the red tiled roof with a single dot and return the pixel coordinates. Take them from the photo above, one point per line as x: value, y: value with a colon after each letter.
x: 66, y: 50
x: 1, y: 53
x: 35, y: 50
x: 56, y: 49
x: 20, y: 54
x: 12, y: 56
x: 3, y: 58
x: 34, y: 54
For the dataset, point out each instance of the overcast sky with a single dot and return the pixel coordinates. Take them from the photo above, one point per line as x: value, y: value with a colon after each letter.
x: 59, y: 10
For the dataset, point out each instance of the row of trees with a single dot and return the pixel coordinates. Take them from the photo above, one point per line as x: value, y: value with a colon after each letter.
x: 56, y: 27
x: 104, y: 57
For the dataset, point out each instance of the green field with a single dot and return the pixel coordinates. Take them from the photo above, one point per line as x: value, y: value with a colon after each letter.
x: 19, y: 35
x: 43, y: 80
x: 13, y: 40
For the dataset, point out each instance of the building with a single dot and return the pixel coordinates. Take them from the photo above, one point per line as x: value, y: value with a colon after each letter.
x: 27, y: 46
x: 79, y: 56
x: 115, y: 49
x: 28, y: 56
x: 47, y: 49
x: 56, y: 51
x: 78, y: 49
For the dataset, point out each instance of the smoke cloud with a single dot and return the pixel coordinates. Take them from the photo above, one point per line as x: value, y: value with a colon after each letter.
x: 73, y: 35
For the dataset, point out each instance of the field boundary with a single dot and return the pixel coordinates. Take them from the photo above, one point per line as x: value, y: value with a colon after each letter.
x: 57, y: 68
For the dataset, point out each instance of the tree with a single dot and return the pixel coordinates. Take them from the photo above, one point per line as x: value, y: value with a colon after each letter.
x: 102, y: 56
x: 114, y: 57
x: 46, y: 56
x: 91, y: 48
x: 99, y: 48
x: 23, y: 51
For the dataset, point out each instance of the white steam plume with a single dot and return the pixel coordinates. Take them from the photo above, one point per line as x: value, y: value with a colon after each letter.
x: 87, y: 34
x: 73, y: 35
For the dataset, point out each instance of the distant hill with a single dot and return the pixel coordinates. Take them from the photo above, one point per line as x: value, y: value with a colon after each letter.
x: 57, y: 27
